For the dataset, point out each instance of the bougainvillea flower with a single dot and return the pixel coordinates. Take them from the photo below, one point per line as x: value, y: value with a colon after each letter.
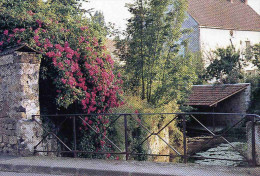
x: 22, y: 30
x: 16, y: 30
x: 5, y: 32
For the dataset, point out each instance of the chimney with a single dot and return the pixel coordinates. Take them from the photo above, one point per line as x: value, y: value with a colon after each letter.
x: 231, y: 1
x: 246, y: 2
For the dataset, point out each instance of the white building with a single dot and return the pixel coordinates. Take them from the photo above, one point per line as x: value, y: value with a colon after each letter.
x: 221, y: 23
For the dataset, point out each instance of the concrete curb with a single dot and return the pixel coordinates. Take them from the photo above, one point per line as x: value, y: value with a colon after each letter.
x: 69, y: 171
x: 85, y: 167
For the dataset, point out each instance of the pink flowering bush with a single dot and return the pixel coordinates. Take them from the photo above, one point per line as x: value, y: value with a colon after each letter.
x: 82, y: 69
x: 77, y: 63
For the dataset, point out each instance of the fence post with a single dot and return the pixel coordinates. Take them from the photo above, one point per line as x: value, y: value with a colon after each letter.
x: 74, y: 137
x: 18, y: 142
x: 126, y: 137
x: 184, y: 138
x: 253, y: 142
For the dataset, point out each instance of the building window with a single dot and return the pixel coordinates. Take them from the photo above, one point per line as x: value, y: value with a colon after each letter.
x: 231, y: 32
x: 248, y: 49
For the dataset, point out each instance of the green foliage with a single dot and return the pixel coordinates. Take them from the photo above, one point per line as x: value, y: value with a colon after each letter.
x: 253, y: 55
x: 255, y: 93
x: 199, y: 67
x: 135, y: 132
x: 256, y: 55
x: 153, y: 122
x: 226, y: 66
x: 177, y: 79
x: 156, y: 77
x: 14, y: 13
x: 99, y: 19
x: 154, y: 70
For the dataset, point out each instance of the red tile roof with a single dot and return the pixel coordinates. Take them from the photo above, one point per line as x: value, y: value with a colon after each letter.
x: 224, y: 14
x: 209, y: 95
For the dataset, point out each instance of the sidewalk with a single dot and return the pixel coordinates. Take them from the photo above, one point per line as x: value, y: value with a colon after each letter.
x: 70, y: 166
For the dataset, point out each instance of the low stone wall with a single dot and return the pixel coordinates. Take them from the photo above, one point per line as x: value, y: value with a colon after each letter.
x: 8, y: 136
x: 257, y: 141
x: 18, y: 137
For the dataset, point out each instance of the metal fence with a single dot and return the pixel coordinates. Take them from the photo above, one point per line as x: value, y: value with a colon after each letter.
x: 200, y: 131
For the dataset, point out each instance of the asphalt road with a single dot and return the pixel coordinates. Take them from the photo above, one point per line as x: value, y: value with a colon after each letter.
x: 23, y: 174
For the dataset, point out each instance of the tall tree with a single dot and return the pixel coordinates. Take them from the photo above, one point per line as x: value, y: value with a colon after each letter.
x: 152, y: 56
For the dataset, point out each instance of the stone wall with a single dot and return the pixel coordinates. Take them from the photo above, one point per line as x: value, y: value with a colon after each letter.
x: 8, y: 136
x: 238, y: 103
x: 257, y: 141
x: 19, y: 90
x: 19, y: 99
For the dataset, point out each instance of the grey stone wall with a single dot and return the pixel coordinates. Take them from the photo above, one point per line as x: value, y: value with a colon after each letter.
x: 19, y: 99
x: 238, y: 103
x: 257, y: 141
x: 19, y: 90
x: 8, y: 136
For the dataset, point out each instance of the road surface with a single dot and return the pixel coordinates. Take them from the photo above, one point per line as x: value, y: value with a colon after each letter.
x: 23, y: 174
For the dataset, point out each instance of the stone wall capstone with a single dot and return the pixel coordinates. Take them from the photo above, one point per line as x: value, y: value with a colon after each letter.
x: 19, y: 100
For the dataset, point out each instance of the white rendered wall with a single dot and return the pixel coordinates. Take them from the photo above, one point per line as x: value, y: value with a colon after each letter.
x: 211, y: 39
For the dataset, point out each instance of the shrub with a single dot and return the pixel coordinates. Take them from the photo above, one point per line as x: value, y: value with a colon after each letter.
x: 154, y: 123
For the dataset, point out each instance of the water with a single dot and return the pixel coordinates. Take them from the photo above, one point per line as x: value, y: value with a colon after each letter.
x: 222, y: 151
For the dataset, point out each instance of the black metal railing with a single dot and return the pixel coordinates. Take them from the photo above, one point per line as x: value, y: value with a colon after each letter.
x: 183, y: 121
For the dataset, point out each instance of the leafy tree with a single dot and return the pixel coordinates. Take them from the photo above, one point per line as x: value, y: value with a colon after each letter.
x: 226, y: 66
x: 256, y: 55
x: 254, y: 80
x: 154, y: 70
x: 99, y: 18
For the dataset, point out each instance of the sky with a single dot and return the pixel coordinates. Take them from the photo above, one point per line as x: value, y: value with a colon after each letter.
x: 113, y: 10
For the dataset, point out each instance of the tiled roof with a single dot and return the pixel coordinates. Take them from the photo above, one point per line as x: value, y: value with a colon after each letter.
x: 224, y: 15
x: 209, y: 95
